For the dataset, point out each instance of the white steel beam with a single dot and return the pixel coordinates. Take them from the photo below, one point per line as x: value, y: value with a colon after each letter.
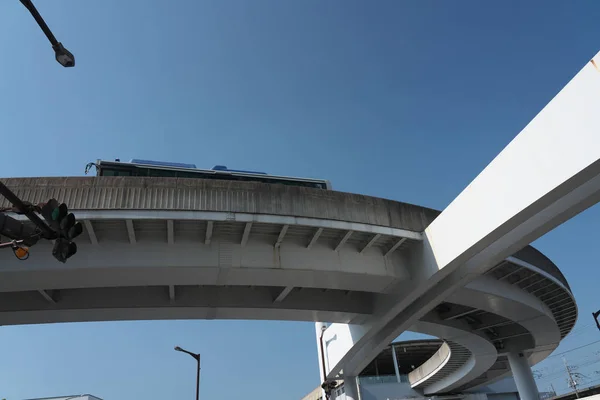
x: 451, y: 316
x: 130, y: 231
x: 510, y: 336
x: 549, y: 173
x: 371, y: 242
x: 515, y: 271
x: 282, y: 233
x: 209, y: 232
x: 315, y: 238
x: 283, y: 294
x: 495, y: 325
x: 395, y: 246
x: 47, y: 296
x: 246, y: 234
x: 343, y: 240
x: 90, y: 230
x: 170, y: 231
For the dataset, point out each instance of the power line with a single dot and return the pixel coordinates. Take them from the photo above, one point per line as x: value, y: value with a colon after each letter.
x: 579, y: 330
x: 573, y: 349
x: 583, y: 361
x: 582, y: 327
x: 575, y: 380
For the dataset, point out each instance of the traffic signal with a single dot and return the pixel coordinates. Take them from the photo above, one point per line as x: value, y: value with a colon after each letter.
x: 61, y: 220
x: 64, y: 223
x: 53, y: 213
x: 63, y: 249
x: 69, y: 227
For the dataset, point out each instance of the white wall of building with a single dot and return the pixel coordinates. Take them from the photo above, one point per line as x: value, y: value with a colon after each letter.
x: 337, y: 339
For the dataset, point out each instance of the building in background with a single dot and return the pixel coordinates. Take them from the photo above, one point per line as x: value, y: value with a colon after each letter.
x: 387, y: 377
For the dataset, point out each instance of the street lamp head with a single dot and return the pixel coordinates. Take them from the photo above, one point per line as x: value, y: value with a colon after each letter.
x: 63, y: 56
x: 177, y: 348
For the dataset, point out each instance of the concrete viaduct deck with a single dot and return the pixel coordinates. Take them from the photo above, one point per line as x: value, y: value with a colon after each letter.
x: 166, y: 248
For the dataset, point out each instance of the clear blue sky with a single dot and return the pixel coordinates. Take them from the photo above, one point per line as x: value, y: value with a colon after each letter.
x: 404, y: 100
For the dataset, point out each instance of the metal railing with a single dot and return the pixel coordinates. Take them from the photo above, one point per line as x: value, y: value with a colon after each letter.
x: 372, y: 380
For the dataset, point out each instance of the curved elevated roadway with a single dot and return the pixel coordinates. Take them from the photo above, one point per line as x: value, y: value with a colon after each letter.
x: 165, y: 248
x: 169, y: 248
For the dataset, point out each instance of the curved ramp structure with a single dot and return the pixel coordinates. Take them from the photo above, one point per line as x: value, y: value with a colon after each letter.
x: 190, y: 248
x: 549, y: 173
x: 181, y: 248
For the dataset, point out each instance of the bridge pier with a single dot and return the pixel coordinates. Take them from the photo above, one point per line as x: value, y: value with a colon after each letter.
x: 351, y: 388
x: 523, y: 376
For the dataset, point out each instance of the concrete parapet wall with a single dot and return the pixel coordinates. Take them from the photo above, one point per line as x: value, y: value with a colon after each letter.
x: 120, y: 193
x: 431, y: 366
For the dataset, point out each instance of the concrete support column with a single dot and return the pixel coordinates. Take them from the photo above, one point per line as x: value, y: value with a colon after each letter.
x: 351, y: 388
x: 523, y: 376
x: 395, y: 359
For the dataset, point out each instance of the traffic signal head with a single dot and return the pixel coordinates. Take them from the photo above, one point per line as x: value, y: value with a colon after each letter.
x: 60, y: 212
x: 69, y: 228
x: 51, y: 213
x: 60, y: 220
x: 65, y: 225
x: 63, y: 249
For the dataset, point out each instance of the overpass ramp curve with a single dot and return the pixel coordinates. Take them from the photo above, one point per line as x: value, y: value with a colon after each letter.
x: 169, y: 248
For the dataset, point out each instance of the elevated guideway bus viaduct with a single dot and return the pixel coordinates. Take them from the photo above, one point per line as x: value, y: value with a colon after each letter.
x: 184, y: 248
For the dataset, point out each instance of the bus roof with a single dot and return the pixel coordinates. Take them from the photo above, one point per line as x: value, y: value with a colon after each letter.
x: 216, y: 169
x: 162, y: 163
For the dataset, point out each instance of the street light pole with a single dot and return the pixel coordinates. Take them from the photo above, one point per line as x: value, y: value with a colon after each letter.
x: 63, y: 56
x: 197, y: 358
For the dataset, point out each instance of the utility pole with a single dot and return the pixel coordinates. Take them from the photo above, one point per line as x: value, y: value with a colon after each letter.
x: 572, y: 377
